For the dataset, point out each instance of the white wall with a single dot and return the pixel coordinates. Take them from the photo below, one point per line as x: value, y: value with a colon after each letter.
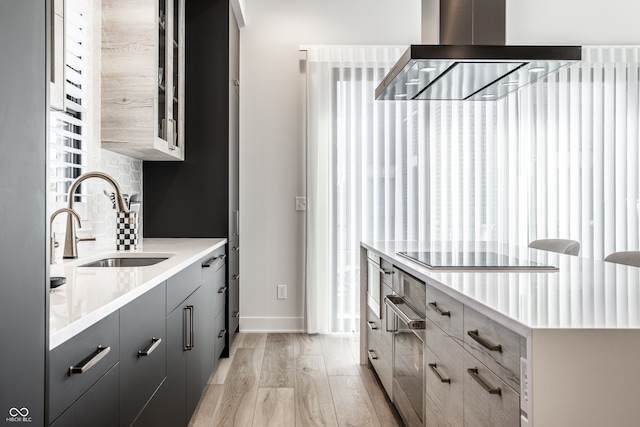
x: 272, y: 115
x: 272, y: 136
x: 583, y: 22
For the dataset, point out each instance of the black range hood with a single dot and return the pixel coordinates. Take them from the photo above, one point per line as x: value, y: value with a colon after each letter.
x: 472, y: 62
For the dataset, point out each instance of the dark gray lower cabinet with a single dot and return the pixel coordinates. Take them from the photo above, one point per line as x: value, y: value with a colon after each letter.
x: 98, y: 407
x: 143, y: 344
x: 233, y: 303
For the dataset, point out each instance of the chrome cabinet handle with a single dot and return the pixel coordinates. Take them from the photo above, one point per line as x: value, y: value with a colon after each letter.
x: 236, y: 314
x: 235, y: 248
x: 392, y: 302
x: 90, y: 361
x: 386, y: 321
x: 434, y: 369
x: 235, y: 277
x: 222, y: 290
x: 434, y: 305
x: 213, y: 261
x: 486, y: 344
x: 189, y: 346
x: 372, y: 355
x: 372, y: 326
x: 155, y: 342
x: 474, y: 374
x: 222, y: 333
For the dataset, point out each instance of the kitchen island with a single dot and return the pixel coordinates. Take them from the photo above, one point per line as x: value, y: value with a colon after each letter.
x: 571, y: 337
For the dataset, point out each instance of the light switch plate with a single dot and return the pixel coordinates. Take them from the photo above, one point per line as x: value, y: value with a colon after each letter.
x: 301, y: 203
x: 282, y: 291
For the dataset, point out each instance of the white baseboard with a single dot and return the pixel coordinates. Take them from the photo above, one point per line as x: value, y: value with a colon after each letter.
x: 271, y: 324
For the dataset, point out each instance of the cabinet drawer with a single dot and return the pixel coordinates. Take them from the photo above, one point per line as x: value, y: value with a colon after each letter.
x: 494, y: 345
x: 143, y: 343
x: 221, y: 290
x: 221, y: 331
x: 380, y: 355
x: 181, y: 285
x: 444, y: 378
x: 374, y: 324
x: 488, y: 401
x: 445, y: 312
x: 95, y: 349
x: 98, y: 407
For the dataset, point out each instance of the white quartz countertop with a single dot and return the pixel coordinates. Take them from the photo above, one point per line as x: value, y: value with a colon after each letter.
x: 582, y: 293
x: 92, y: 293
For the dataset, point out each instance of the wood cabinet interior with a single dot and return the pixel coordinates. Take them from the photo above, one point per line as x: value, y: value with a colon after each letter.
x: 142, y: 78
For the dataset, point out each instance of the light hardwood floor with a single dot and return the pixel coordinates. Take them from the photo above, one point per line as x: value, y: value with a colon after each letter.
x: 300, y: 380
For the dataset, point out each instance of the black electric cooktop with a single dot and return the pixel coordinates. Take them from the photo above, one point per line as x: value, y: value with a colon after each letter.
x: 473, y: 260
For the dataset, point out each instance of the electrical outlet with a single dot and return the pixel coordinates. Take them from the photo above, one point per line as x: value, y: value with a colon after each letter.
x: 282, y: 291
x: 301, y: 203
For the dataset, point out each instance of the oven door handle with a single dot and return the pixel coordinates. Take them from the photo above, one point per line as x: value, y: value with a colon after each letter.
x: 392, y: 301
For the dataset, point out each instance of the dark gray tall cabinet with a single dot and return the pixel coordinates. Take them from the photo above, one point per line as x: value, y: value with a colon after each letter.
x: 24, y: 34
x: 199, y: 196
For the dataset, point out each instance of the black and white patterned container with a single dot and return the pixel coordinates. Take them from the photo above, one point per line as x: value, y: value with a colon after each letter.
x: 126, y: 231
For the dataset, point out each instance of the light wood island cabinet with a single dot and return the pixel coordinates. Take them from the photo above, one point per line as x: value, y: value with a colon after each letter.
x: 142, y: 78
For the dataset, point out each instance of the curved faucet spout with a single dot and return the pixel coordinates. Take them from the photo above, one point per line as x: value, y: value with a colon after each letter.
x: 70, y: 243
x: 52, y: 237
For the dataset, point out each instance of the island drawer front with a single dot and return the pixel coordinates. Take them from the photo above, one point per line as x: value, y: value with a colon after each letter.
x: 182, y: 284
x: 82, y: 350
x: 445, y: 312
x: 444, y: 367
x: 480, y: 333
x: 381, y: 358
x: 484, y: 408
x: 374, y: 325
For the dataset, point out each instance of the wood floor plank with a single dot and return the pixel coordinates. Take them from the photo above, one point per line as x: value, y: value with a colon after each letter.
x: 275, y: 407
x: 207, y: 405
x: 387, y: 414
x: 307, y: 344
x: 314, y: 404
x: 352, y: 403
x: 236, y: 407
x: 277, y: 365
x: 222, y: 369
x: 251, y: 340
x: 337, y: 355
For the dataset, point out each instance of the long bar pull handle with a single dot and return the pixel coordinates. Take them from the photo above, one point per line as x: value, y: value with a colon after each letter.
x: 434, y: 305
x: 213, y: 261
x: 372, y: 326
x: 155, y: 342
x: 236, y: 215
x: 392, y: 302
x: 474, y: 374
x: 90, y: 361
x: 189, y: 345
x: 394, y: 328
x: 372, y: 354
x: 222, y: 333
x: 222, y: 290
x: 434, y: 369
x: 486, y: 344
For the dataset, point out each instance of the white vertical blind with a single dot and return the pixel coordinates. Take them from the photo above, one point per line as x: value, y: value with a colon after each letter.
x: 559, y: 159
x: 582, y: 141
x: 69, y: 128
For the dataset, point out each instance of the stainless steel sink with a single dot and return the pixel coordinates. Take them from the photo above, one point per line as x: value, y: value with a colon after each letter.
x: 125, y: 262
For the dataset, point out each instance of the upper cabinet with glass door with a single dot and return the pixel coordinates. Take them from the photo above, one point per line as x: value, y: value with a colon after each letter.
x: 143, y: 78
